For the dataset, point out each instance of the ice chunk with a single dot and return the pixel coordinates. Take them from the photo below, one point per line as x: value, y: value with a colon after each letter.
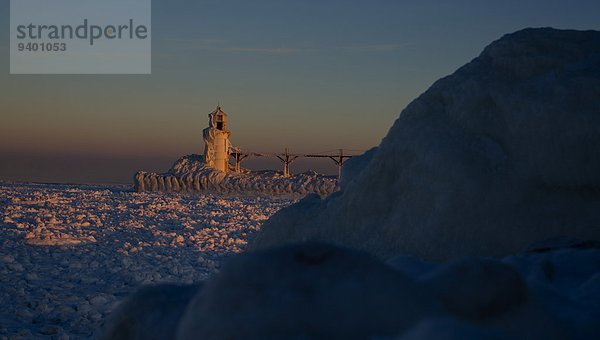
x: 310, y: 290
x: 499, y: 155
x: 152, y: 312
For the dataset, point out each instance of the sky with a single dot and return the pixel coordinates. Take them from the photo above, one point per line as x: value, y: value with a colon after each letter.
x: 311, y: 75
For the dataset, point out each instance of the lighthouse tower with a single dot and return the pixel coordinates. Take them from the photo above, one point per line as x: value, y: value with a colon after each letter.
x: 216, y: 140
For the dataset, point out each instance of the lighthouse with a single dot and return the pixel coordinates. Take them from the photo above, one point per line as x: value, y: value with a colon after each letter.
x: 216, y: 140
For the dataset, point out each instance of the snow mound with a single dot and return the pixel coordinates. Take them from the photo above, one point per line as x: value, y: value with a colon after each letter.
x: 499, y: 155
x: 190, y: 174
x: 321, y: 291
x: 478, y: 289
x: 153, y: 312
x: 306, y: 291
x: 488, y: 292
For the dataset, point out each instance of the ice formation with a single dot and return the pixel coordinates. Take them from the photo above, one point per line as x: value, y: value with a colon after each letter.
x: 309, y: 291
x: 192, y: 174
x: 322, y: 291
x: 151, y: 313
x: 501, y: 154
x: 212, y: 171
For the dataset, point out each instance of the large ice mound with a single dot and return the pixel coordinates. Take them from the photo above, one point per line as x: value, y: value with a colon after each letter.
x: 191, y: 174
x: 503, y: 153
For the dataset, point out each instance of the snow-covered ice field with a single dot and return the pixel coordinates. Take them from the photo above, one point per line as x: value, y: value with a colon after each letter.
x: 70, y: 253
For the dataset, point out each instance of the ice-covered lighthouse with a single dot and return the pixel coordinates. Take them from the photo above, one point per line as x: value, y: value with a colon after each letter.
x: 216, y: 140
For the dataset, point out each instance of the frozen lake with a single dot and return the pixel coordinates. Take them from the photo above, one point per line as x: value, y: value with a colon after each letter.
x: 70, y: 253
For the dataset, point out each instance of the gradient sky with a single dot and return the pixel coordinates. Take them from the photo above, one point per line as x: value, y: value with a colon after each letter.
x: 311, y: 75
